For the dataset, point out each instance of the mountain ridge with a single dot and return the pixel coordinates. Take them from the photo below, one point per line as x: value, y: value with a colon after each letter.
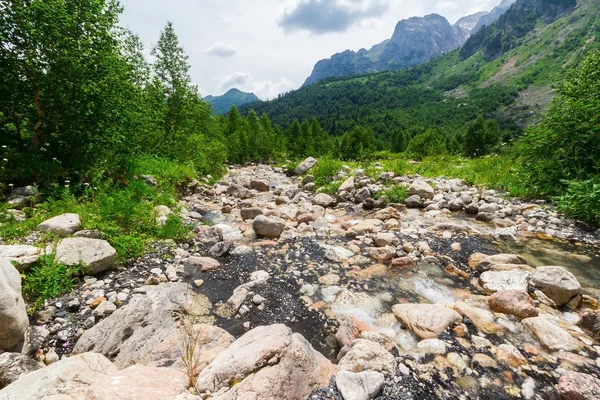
x: 233, y: 97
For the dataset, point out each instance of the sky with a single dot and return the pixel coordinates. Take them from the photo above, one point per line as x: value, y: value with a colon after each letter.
x: 271, y: 46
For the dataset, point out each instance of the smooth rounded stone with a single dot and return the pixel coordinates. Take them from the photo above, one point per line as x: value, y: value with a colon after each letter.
x: 351, y: 329
x: 489, y: 208
x: 512, y: 302
x: 13, y: 311
x: 426, y: 320
x: 365, y: 385
x: 509, y: 355
x: 260, y: 185
x: 483, y: 360
x: 251, y: 212
x: 203, y: 264
x: 432, y: 346
x: 413, y: 202
x: 456, y: 205
x: 305, y: 166
x: 13, y: 365
x: 485, y: 217
x: 496, y: 281
x: 268, y: 362
x: 94, y: 254
x: 366, y: 355
x: 323, y: 200
x: 578, y: 386
x: 482, y: 319
x: 384, y: 239
x: 22, y: 256
x: 421, y: 189
x: 221, y: 249
x: 270, y: 227
x: 487, y: 262
x: 558, y: 284
x: 329, y: 279
x: 105, y: 308
x: 472, y: 208
x: 364, y: 227
x: 347, y: 186
x: 457, y: 362
x: 146, y: 322
x: 552, y: 336
x: 240, y: 250
x: 62, y: 225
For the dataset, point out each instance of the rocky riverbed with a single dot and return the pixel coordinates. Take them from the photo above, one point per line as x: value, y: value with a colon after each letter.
x: 457, y: 293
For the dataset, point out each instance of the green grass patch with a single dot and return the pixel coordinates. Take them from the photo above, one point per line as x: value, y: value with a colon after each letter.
x: 395, y: 194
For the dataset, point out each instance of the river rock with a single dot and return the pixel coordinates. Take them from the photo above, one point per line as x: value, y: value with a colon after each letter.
x: 350, y: 330
x: 578, y: 386
x: 384, y: 239
x: 260, y: 185
x: 366, y: 355
x: 268, y: 362
x: 270, y: 227
x: 221, y: 249
x: 323, y: 200
x: 364, y: 385
x: 134, y: 332
x: 509, y: 355
x: 426, y: 320
x: 488, y: 261
x: 495, y: 281
x: 306, y: 166
x: 363, y: 227
x: 22, y: 256
x: 552, y: 336
x: 558, y: 284
x: 96, y: 255
x: 482, y: 319
x: 13, y: 312
x: 512, y: 302
x: 13, y: 365
x: 62, y: 225
x: 591, y: 322
x: 413, y: 201
x: 347, y: 186
x: 421, y: 189
x: 196, y: 264
x: 251, y: 212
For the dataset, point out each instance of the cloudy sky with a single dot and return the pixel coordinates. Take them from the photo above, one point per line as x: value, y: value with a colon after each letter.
x: 270, y: 46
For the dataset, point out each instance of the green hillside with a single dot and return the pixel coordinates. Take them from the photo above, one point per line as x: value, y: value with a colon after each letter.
x: 447, y: 93
x: 234, y: 97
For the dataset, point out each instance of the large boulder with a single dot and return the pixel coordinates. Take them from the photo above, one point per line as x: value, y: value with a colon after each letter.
x: 552, y: 336
x: 94, y: 254
x: 578, y: 386
x: 24, y: 197
x: 421, y: 189
x: 62, y: 225
x: 13, y: 312
x: 496, y: 281
x: 92, y: 376
x: 269, y: 362
x: 260, y: 185
x: 426, y: 320
x: 513, y: 302
x: 364, y: 385
x: 306, y: 166
x: 558, y: 284
x: 13, y: 365
x: 22, y: 256
x: 147, y: 329
x: 366, y: 355
x: 270, y: 227
x: 347, y: 186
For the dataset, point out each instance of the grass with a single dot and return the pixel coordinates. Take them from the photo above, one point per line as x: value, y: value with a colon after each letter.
x: 395, y: 194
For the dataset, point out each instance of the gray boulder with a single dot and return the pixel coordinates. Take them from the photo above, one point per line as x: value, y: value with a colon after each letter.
x: 268, y: 362
x: 251, y: 212
x: 270, y: 227
x: 24, y: 197
x: 13, y: 313
x: 13, y: 365
x: 347, y: 186
x: 557, y: 283
x: 306, y: 166
x: 364, y: 385
x: 421, y: 189
x: 22, y: 256
x: 413, y: 201
x: 96, y: 255
x: 426, y: 320
x: 62, y: 225
x: 366, y: 355
x: 323, y: 200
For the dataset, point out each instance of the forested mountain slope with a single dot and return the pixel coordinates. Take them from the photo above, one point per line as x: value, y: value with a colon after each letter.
x: 233, y: 97
x: 448, y: 92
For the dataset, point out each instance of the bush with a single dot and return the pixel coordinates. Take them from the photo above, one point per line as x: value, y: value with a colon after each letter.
x: 430, y: 143
x: 325, y: 171
x: 581, y: 200
x: 396, y: 194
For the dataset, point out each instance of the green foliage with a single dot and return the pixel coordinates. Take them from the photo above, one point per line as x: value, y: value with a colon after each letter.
x: 395, y: 194
x: 174, y: 229
x: 47, y: 279
x: 358, y: 144
x: 427, y: 144
x: 482, y: 137
x: 400, y: 140
x: 325, y: 171
x: 581, y: 200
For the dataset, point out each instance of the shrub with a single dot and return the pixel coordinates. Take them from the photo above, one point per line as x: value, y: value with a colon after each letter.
x: 430, y: 143
x: 396, y: 194
x: 581, y: 200
x: 325, y: 171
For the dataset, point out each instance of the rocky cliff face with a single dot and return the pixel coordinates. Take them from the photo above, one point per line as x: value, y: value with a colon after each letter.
x: 415, y: 41
x: 493, y: 15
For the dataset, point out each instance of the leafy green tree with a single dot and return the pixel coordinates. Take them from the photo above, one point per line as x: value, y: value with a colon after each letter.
x: 481, y: 138
x: 357, y: 144
x: 427, y: 144
x: 400, y: 140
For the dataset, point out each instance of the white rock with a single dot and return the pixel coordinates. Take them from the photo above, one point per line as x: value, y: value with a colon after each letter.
x: 94, y: 254
x: 62, y: 225
x: 13, y: 313
x: 364, y: 385
x: 21, y: 255
x: 421, y: 189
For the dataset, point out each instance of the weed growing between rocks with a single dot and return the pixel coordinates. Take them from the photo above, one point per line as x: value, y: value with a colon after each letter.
x: 188, y: 347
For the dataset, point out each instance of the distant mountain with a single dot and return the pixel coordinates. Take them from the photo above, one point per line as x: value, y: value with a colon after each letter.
x: 222, y: 104
x: 415, y: 41
x: 493, y: 15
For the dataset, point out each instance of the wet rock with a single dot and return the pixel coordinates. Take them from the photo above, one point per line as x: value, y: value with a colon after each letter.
x: 306, y: 166
x: 578, y: 386
x: 13, y: 313
x: 426, y: 320
x: 96, y: 255
x: 552, y: 336
x: 323, y: 200
x: 132, y: 333
x: 347, y: 186
x: 267, y: 362
x: 487, y: 262
x: 511, y: 302
x: 350, y: 330
x: 62, y: 225
x: 260, y: 185
x: 591, y: 322
x: 509, y: 355
x: 13, y: 365
x: 271, y: 227
x: 432, y: 346
x: 251, y: 212
x: 366, y: 355
x: 402, y: 264
x: 221, y: 249
x: 558, y: 284
x: 382, y: 254
x: 22, y: 256
x: 413, y: 202
x: 364, y: 385
x: 482, y: 319
x: 421, y: 189
x: 496, y: 281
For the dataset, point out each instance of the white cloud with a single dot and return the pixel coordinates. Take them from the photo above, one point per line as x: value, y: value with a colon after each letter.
x: 224, y: 50
x: 446, y: 5
x: 264, y: 89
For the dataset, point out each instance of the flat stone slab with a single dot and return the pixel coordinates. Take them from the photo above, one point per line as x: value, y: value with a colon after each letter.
x: 94, y: 254
x: 62, y: 225
x: 426, y: 320
x: 22, y: 256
